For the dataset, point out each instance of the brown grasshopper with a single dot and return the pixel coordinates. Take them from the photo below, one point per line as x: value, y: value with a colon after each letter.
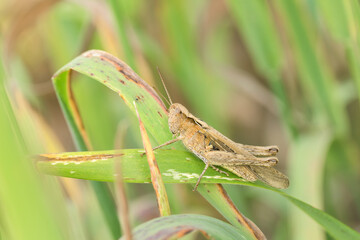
x: 214, y: 149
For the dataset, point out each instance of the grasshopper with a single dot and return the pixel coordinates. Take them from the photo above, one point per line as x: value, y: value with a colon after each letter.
x: 214, y: 149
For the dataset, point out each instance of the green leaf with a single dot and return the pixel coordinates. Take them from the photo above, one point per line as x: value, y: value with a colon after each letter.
x: 308, y: 150
x: 342, y: 20
x: 176, y: 166
x: 316, y: 79
x: 62, y: 84
x: 217, y: 196
x: 26, y: 209
x: 165, y: 227
x: 119, y: 10
x: 334, y: 227
x: 198, y: 82
x: 117, y: 76
x: 255, y: 23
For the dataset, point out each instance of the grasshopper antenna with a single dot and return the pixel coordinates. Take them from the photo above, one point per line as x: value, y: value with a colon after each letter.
x: 162, y: 80
x: 162, y: 96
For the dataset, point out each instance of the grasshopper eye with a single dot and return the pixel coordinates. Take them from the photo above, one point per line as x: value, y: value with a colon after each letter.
x: 177, y: 111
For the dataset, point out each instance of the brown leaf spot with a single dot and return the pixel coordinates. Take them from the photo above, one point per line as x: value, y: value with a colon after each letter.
x: 138, y: 98
x: 125, y: 70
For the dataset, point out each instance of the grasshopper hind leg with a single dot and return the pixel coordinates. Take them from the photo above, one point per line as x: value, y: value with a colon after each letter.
x: 260, y: 151
x: 201, y: 175
x: 220, y: 171
x: 203, y: 172
x: 206, y: 167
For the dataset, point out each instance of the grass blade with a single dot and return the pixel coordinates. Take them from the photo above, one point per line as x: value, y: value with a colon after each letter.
x: 308, y: 150
x: 254, y: 21
x: 156, y: 179
x: 316, y: 79
x: 108, y: 207
x: 166, y: 227
x: 62, y: 84
x: 117, y: 8
x: 176, y: 166
x: 120, y: 192
x: 334, y: 227
x: 27, y: 212
x: 117, y: 76
x: 222, y: 201
x: 342, y: 18
x: 99, y: 166
x: 187, y: 64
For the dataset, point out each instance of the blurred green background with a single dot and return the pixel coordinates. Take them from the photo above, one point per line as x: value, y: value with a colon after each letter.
x: 279, y: 72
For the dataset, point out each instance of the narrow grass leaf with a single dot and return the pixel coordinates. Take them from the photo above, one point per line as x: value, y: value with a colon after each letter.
x: 334, y: 227
x: 62, y: 84
x: 120, y: 192
x: 222, y: 202
x: 186, y: 63
x: 342, y: 20
x: 308, y: 154
x: 176, y: 166
x: 256, y: 26
x: 117, y: 76
x: 99, y: 166
x: 316, y: 79
x: 120, y: 15
x: 156, y: 179
x: 26, y: 211
x: 167, y: 227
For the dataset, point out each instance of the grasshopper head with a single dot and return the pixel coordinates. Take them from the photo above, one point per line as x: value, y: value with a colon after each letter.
x: 177, y: 114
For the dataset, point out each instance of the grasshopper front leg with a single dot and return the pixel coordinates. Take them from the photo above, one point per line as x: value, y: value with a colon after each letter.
x: 168, y: 143
x: 165, y: 144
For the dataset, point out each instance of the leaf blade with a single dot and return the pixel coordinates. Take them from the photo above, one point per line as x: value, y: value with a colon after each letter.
x: 165, y: 227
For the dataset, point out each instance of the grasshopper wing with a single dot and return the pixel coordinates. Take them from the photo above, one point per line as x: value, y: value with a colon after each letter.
x: 268, y: 175
x: 271, y: 176
x: 222, y: 143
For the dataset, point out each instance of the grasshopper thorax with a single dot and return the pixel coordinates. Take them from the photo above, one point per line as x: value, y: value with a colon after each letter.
x: 178, y: 114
